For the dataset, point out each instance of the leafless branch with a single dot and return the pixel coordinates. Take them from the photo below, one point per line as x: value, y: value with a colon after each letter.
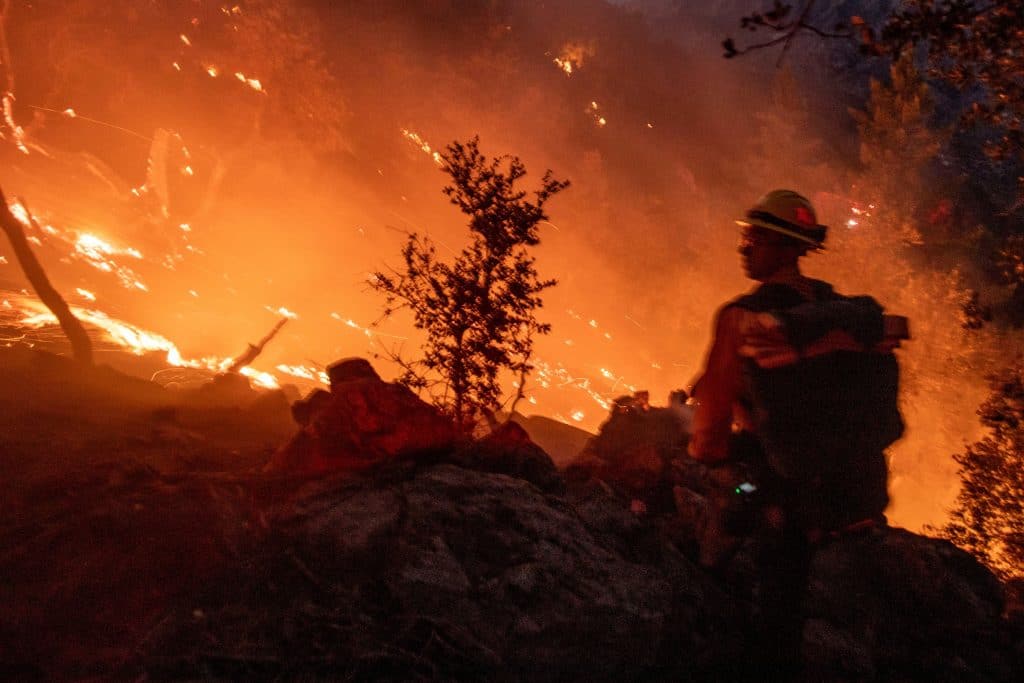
x: 790, y: 31
x: 81, y: 345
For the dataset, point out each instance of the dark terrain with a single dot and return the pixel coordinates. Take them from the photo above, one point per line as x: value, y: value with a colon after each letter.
x: 142, y: 540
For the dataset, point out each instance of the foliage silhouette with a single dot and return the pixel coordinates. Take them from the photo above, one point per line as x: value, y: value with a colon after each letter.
x: 978, y: 48
x: 479, y: 311
x: 988, y: 519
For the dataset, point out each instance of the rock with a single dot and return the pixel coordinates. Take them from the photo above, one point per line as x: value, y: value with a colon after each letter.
x: 350, y: 369
x: 439, y: 572
x: 421, y: 568
x: 509, y: 450
x: 482, y: 575
x: 360, y: 422
x: 633, y: 452
x: 304, y: 409
x: 891, y: 603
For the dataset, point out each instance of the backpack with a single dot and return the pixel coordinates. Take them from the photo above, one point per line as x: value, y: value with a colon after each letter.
x: 824, y: 422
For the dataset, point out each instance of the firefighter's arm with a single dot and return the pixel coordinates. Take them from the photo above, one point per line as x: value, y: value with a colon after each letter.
x: 718, y: 390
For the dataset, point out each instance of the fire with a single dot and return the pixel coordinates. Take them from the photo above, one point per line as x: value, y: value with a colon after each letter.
x: 19, y: 212
x: 304, y: 372
x: 572, y: 56
x: 263, y: 379
x: 99, y: 254
x: 86, y: 294
x: 423, y: 145
x: 253, y: 83
x: 128, y: 336
x: 17, y: 132
x: 557, y: 376
x: 366, y: 330
x: 283, y: 312
x: 34, y: 314
x: 857, y: 215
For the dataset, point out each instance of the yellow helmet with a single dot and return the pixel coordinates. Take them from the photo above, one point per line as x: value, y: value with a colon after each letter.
x: 788, y: 213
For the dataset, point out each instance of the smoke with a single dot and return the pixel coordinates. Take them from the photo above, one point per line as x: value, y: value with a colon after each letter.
x: 301, y: 190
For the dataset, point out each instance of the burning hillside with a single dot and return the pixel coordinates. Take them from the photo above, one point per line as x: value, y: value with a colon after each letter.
x: 195, y: 171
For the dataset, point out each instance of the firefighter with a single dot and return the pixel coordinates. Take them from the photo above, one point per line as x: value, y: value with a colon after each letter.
x: 812, y: 427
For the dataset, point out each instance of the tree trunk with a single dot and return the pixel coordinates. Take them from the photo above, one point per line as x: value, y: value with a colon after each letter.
x: 81, y: 345
x: 255, y: 350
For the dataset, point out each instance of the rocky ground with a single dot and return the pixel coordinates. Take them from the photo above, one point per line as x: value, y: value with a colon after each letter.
x: 219, y: 534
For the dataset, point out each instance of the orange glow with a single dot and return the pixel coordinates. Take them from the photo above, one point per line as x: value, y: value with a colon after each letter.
x: 304, y: 372
x: 17, y: 132
x: 282, y: 311
x: 564, y: 65
x: 221, y: 236
x: 134, y: 339
x: 100, y: 254
x: 259, y: 378
x: 572, y: 57
x: 253, y: 83
x: 423, y: 145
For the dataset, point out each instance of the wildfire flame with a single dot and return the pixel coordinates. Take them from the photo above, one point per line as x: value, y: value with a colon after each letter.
x: 572, y: 56
x: 99, y: 254
x: 253, y: 83
x: 35, y: 315
x: 17, y: 132
x: 423, y: 145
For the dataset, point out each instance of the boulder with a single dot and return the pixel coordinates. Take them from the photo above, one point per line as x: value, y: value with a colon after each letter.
x: 350, y: 369
x: 359, y: 423
x: 439, y: 572
x: 445, y: 573
x: 510, y: 450
x: 891, y: 604
x: 633, y: 452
